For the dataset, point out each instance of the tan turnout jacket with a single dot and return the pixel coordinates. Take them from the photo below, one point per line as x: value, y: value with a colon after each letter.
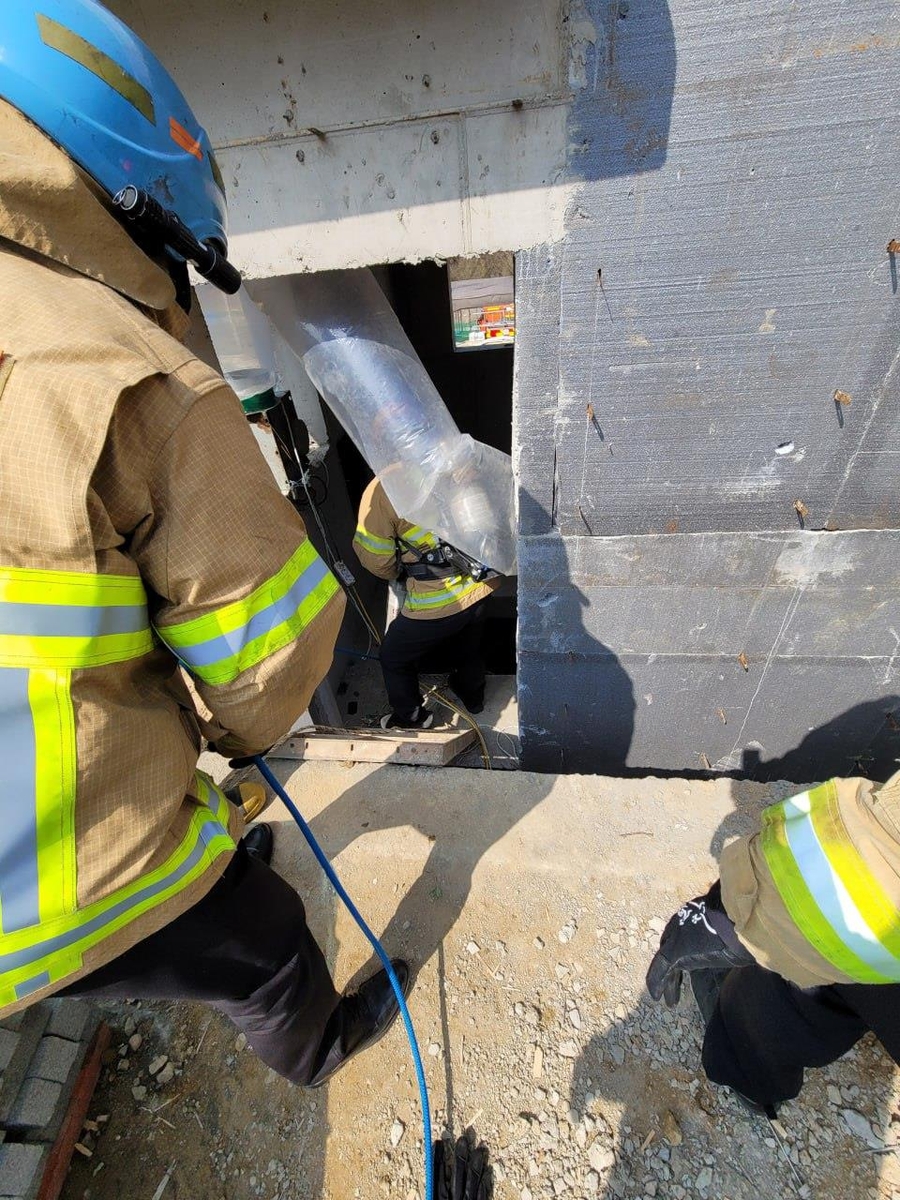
x: 815, y: 894
x: 126, y: 461
x: 375, y: 545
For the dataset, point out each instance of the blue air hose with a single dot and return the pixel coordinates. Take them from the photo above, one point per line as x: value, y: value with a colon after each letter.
x: 379, y: 950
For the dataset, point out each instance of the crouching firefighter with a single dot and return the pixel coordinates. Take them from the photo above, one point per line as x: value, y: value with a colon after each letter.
x: 142, y: 533
x: 444, y: 607
x: 794, y: 953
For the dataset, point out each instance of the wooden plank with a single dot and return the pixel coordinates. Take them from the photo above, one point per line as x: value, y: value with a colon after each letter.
x: 424, y: 748
x: 57, y: 1167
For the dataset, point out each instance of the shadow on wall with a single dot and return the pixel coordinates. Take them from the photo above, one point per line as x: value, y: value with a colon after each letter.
x: 576, y: 699
x: 647, y: 1063
x: 620, y: 121
x: 597, y: 690
x: 864, y: 741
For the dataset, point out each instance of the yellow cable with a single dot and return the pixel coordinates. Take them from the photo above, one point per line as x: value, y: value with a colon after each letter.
x: 442, y: 699
x: 439, y: 696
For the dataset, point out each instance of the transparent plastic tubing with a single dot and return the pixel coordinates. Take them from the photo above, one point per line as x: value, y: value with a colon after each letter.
x: 242, y: 337
x: 341, y: 326
x: 379, y: 950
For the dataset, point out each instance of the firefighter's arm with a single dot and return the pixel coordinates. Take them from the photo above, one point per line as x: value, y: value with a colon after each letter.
x: 374, y: 543
x: 814, y: 895
x: 242, y: 599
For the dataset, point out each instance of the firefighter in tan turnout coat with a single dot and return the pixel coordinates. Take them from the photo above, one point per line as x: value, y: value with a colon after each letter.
x: 443, y: 607
x: 795, y: 953
x: 141, y: 534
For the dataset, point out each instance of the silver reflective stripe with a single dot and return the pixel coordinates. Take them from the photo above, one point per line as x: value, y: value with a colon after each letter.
x: 32, y: 985
x: 33, y: 953
x: 829, y: 892
x: 18, y: 819
x: 71, y: 620
x: 215, y: 649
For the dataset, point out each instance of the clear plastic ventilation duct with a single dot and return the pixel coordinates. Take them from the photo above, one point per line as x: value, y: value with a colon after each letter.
x: 354, y: 350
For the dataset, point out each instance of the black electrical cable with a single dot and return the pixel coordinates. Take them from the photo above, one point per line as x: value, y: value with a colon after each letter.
x: 300, y: 461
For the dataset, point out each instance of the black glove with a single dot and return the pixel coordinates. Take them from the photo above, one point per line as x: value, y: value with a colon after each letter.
x: 236, y: 763
x: 700, y: 936
x: 461, y: 1172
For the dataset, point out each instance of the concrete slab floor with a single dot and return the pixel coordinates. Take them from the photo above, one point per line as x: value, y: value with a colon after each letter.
x: 529, y: 906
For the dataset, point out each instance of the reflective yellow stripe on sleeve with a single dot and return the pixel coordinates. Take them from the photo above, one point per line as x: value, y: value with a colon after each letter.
x: 417, y: 536
x: 374, y: 544
x: 218, y: 646
x: 827, y: 887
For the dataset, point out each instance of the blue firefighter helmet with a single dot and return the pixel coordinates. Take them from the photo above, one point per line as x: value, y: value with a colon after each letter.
x: 79, y: 74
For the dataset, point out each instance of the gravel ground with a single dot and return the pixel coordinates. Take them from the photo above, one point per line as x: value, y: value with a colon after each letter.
x: 530, y: 1009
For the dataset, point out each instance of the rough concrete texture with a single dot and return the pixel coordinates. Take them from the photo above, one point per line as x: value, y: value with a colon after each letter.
x: 27, y: 1028
x: 55, y: 1059
x: 770, y: 654
x: 691, y: 378
x: 450, y: 141
x: 529, y: 906
x: 72, y: 1019
x: 9, y: 1039
x: 41, y: 1052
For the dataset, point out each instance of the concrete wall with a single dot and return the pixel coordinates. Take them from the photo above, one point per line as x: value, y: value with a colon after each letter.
x: 701, y: 199
x: 722, y: 275
x: 367, y: 131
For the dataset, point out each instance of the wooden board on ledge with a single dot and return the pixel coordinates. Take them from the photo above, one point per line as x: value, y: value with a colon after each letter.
x: 414, y: 747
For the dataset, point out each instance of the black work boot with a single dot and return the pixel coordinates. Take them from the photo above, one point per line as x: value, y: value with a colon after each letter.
x: 259, y: 842
x: 419, y: 718
x: 360, y: 1020
x: 706, y: 986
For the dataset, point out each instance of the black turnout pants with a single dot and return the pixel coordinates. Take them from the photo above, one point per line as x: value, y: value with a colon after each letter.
x: 407, y: 642
x: 245, y: 948
x: 765, y: 1031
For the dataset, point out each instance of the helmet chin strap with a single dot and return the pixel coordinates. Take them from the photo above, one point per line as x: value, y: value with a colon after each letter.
x: 153, y: 245
x: 178, y: 273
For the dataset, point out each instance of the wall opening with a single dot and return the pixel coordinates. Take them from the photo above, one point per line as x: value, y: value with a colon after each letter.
x: 476, y: 386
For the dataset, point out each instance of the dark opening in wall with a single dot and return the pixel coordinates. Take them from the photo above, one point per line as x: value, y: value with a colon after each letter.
x: 476, y: 386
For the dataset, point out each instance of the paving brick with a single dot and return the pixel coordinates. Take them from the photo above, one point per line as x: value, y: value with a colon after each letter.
x: 21, y: 1169
x: 72, y: 1019
x: 31, y: 1028
x: 38, y: 1110
x: 54, y: 1059
x: 8, y: 1042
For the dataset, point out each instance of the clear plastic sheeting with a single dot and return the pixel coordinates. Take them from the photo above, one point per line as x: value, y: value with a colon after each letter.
x: 242, y: 337
x: 354, y: 350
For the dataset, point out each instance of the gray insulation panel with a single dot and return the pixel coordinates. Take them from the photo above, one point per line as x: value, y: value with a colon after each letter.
x: 725, y: 273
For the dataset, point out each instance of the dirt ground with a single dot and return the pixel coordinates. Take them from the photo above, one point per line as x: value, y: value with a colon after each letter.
x: 529, y: 907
